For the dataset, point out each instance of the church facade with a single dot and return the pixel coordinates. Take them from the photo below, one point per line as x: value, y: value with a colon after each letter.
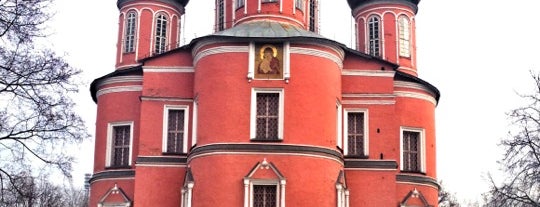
x: 265, y: 111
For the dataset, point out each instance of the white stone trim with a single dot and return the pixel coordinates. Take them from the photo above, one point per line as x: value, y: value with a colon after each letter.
x: 267, y: 16
x: 165, y: 122
x: 318, y: 53
x: 119, y: 89
x: 218, y: 50
x: 366, y: 129
x: 166, y: 99
x: 339, y: 124
x: 194, y: 123
x: 369, y: 102
x: 165, y: 69
x: 368, y: 73
x: 120, y: 79
x: 416, y: 95
x: 108, y: 152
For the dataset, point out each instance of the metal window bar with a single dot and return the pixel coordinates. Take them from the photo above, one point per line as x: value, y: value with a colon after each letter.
x: 129, y: 41
x: 264, y: 196
x: 175, y: 131
x: 267, y: 116
x: 411, y: 161
x: 374, y: 36
x: 161, y: 34
x: 121, y: 138
x: 355, y: 132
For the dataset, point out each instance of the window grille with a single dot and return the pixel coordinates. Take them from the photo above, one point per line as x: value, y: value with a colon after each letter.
x: 374, y: 36
x: 264, y: 196
x: 161, y: 33
x: 221, y: 15
x: 129, y: 36
x: 411, y: 151
x: 121, y: 139
x: 355, y: 133
x: 267, y: 116
x: 404, y: 36
x: 175, y: 131
x: 312, y: 15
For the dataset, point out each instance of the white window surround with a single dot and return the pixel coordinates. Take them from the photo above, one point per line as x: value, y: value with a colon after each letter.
x: 253, y: 112
x: 286, y: 62
x: 342, y: 195
x: 108, y: 152
x: 339, y: 124
x: 422, y: 146
x: 187, y: 194
x: 194, y: 123
x: 279, y: 181
x: 346, y: 125
x: 166, y: 109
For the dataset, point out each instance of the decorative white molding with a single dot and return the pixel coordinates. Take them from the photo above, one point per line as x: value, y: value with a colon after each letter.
x: 417, y: 86
x: 257, y: 17
x: 118, y: 89
x: 165, y: 69
x: 219, y: 50
x: 373, y: 95
x: 318, y: 53
x: 166, y: 99
x: 369, y: 102
x: 123, y: 67
x: 421, y: 96
x: 120, y: 79
x: 368, y: 73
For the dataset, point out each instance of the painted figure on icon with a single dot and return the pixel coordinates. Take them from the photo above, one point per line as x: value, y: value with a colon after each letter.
x: 268, y: 62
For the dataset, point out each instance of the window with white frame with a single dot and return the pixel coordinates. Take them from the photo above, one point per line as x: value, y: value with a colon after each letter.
x: 161, y: 33
x: 267, y: 191
x: 221, y: 15
x: 175, y: 133
x: 240, y: 3
x: 412, y: 150
x: 404, y: 36
x: 267, y: 114
x: 374, y: 35
x: 129, y: 32
x: 119, y: 141
x: 356, y: 131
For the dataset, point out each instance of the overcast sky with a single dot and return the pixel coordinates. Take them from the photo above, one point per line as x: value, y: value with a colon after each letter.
x: 478, y: 53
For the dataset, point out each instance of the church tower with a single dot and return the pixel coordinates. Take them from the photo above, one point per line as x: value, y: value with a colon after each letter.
x: 386, y: 29
x: 265, y: 111
x: 147, y: 28
x: 300, y: 13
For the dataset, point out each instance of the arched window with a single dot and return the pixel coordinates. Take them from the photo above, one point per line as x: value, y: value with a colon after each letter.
x: 221, y: 15
x: 404, y: 36
x: 161, y: 33
x: 374, y: 37
x: 129, y: 32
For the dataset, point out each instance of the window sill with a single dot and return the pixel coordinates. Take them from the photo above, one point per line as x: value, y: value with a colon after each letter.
x: 413, y: 172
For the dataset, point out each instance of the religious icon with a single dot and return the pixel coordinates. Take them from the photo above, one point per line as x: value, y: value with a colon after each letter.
x: 269, y: 62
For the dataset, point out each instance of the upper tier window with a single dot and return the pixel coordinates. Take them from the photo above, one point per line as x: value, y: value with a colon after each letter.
x: 161, y: 33
x: 221, y: 15
x: 374, y: 36
x: 300, y: 4
x: 312, y: 15
x: 404, y: 36
x: 129, y: 32
x: 240, y: 3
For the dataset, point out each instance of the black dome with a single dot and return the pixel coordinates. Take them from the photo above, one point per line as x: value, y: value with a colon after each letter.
x: 356, y: 3
x: 182, y: 3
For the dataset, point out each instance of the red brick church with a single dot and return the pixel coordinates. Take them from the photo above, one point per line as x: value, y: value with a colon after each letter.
x: 264, y: 112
